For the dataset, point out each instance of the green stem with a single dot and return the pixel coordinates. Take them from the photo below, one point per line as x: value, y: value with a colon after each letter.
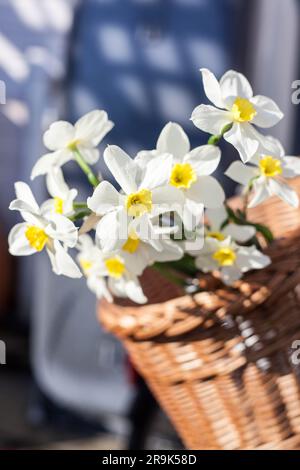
x: 92, y: 178
x: 215, y: 139
x: 80, y: 215
x: 80, y: 205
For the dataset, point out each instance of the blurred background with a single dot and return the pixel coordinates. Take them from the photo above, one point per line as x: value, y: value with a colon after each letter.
x: 66, y: 382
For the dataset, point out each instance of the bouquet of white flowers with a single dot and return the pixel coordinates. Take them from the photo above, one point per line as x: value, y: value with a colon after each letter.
x: 170, y: 212
x: 218, y: 359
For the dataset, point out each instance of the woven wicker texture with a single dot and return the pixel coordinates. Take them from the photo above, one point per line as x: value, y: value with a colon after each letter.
x: 219, y: 361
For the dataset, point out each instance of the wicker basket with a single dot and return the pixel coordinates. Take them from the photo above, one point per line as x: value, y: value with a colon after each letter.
x: 219, y: 362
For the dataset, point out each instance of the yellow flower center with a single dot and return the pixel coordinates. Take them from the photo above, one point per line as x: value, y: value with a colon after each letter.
x: 182, y: 175
x: 58, y: 205
x: 217, y: 235
x: 37, y: 237
x: 73, y: 144
x: 115, y: 267
x: 132, y: 244
x: 139, y: 203
x: 270, y: 166
x: 225, y: 256
x: 85, y: 265
x: 242, y: 110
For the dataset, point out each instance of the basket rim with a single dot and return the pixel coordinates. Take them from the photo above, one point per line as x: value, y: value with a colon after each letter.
x: 184, y: 313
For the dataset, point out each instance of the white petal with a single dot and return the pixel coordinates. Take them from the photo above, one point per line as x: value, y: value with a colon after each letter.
x: 50, y: 160
x: 85, y: 243
x: 212, y: 244
x: 134, y: 290
x: 68, y: 202
x: 244, y: 139
x: 173, y: 140
x: 239, y: 233
x: 208, y: 191
x: 99, y: 288
x: 122, y: 167
x: 171, y: 252
x: 192, y: 215
x: 210, y: 119
x: 61, y: 228
x: 112, y: 231
x: 145, y: 231
x: 291, y: 167
x: 143, y: 157
x: 250, y: 258
x: 259, y: 194
x: 271, y: 146
x: 92, y: 127
x: 24, y: 193
x: 136, y: 262
x: 216, y: 217
x: 117, y: 287
x: 268, y: 113
x: 127, y: 288
x: 56, y: 185
x: 206, y: 263
x: 27, y: 213
x: 27, y: 205
x: 18, y: 243
x: 241, y: 173
x: 212, y: 88
x: 48, y: 208
x: 90, y: 154
x: 268, y: 145
x: 62, y: 262
x: 157, y: 172
x: 230, y: 274
x: 285, y: 192
x: 18, y: 205
x: 59, y: 135
x: 104, y: 199
x: 204, y: 159
x: 43, y: 165
x: 166, y: 199
x: 234, y: 84
x: 194, y: 241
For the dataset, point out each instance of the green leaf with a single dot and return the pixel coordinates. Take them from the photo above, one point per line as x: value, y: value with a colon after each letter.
x: 265, y: 231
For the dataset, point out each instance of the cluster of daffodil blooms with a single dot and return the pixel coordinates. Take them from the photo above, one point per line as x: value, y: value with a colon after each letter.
x: 170, y: 212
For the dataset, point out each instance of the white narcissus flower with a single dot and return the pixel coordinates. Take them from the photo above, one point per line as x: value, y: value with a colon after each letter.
x: 110, y: 272
x: 138, y: 254
x: 62, y: 196
x: 90, y: 260
x: 265, y: 176
x: 145, y: 195
x: 230, y: 259
x: 190, y: 172
x: 62, y: 138
x: 236, y: 105
x: 53, y: 232
x: 238, y: 233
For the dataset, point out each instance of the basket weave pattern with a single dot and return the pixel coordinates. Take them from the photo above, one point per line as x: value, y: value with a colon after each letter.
x: 219, y: 361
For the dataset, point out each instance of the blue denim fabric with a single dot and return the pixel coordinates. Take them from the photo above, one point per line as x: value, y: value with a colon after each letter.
x: 140, y: 60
